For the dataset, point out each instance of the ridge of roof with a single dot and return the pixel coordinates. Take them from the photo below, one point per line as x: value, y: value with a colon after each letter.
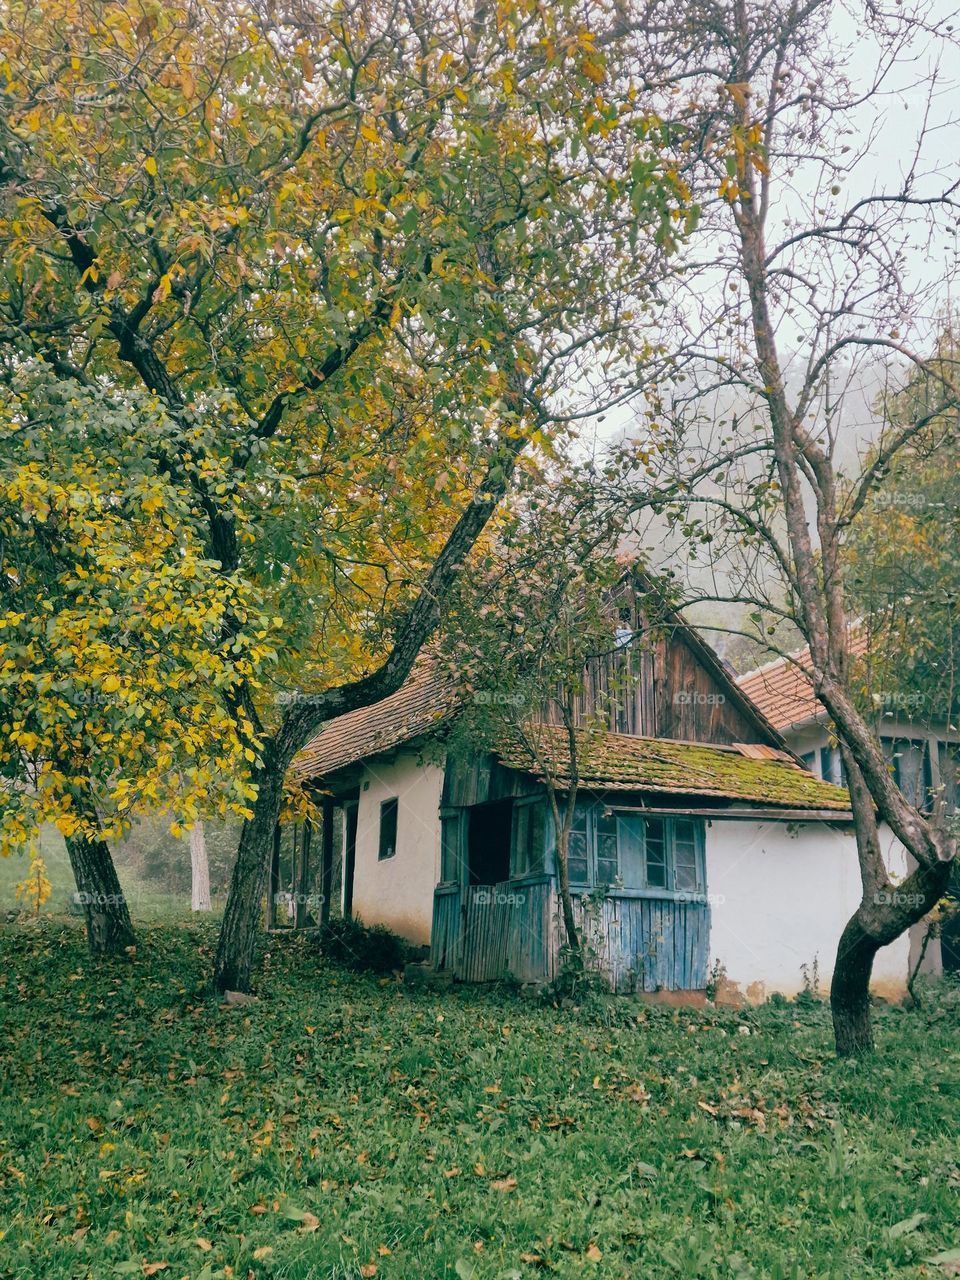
x: 428, y: 698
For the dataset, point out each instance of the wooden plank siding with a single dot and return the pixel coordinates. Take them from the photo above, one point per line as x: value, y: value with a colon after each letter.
x: 659, y: 687
x: 445, y: 931
x: 473, y: 778
x: 489, y: 933
x: 648, y: 944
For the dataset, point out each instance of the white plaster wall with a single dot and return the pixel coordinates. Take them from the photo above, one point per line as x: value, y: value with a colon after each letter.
x: 782, y: 895
x: 811, y: 738
x: 398, y: 891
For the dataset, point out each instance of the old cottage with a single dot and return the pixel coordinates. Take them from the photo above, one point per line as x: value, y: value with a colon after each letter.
x: 701, y: 844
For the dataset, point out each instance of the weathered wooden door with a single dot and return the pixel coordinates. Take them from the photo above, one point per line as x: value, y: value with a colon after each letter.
x: 488, y: 933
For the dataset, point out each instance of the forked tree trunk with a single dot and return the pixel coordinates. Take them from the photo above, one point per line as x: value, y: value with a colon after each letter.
x: 199, y: 869
x: 109, y: 931
x: 874, y: 925
x: 241, y: 919
x: 242, y: 915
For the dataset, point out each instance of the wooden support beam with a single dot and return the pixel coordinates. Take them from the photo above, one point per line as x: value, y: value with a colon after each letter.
x: 326, y: 860
x: 303, y: 876
x: 350, y: 816
x: 274, y: 880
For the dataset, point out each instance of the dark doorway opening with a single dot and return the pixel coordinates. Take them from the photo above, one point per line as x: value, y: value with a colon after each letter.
x: 489, y: 842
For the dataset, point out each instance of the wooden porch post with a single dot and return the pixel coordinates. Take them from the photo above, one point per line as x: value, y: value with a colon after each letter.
x: 303, y: 876
x: 349, y: 857
x: 326, y: 860
x: 274, y: 888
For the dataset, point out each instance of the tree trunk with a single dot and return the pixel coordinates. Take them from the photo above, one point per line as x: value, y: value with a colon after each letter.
x: 109, y: 931
x: 850, y: 991
x: 199, y: 869
x: 566, y: 901
x: 875, y: 924
x: 238, y: 933
x: 241, y: 918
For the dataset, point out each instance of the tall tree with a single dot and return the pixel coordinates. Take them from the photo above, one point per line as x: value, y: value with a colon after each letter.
x: 814, y: 282
x: 378, y: 248
x: 902, y: 565
x: 114, y: 676
x: 199, y: 869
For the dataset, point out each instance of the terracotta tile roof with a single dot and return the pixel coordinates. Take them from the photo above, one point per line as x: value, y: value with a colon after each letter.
x: 426, y: 699
x: 782, y: 689
x: 619, y: 762
x: 609, y: 761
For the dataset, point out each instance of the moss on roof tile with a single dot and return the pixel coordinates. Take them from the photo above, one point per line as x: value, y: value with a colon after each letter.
x: 618, y: 762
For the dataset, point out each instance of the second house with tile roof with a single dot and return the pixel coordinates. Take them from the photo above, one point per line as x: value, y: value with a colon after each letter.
x: 923, y: 755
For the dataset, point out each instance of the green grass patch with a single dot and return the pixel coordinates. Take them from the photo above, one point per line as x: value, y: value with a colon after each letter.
x: 343, y: 1126
x: 147, y: 899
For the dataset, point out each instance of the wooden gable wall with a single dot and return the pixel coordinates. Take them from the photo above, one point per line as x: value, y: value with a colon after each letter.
x: 666, y: 683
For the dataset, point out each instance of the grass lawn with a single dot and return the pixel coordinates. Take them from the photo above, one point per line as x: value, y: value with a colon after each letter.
x: 346, y: 1127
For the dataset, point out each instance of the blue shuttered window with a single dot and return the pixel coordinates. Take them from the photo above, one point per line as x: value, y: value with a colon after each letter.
x: 633, y: 851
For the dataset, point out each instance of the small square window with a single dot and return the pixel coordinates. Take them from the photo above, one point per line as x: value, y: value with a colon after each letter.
x: 388, y: 828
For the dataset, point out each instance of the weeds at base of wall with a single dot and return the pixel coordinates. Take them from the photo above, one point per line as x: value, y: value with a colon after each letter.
x: 580, y: 977
x: 362, y: 949
x: 810, y: 992
x: 715, y: 979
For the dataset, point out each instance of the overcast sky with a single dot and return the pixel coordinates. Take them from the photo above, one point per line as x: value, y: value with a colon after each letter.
x: 894, y: 119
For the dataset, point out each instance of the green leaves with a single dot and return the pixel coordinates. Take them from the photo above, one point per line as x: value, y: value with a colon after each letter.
x: 900, y: 566
x: 114, y: 671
